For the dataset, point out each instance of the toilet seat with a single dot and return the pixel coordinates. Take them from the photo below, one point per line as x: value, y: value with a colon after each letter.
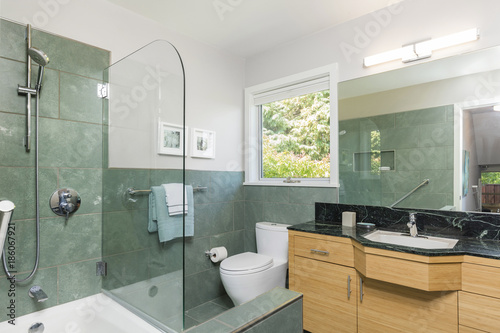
x: 246, y: 263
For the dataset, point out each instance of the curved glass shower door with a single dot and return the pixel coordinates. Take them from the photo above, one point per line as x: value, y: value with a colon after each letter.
x: 144, y: 148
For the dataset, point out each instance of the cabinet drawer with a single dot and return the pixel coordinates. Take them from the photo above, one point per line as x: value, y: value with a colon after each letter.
x: 325, y: 250
x: 479, y: 279
x: 480, y: 312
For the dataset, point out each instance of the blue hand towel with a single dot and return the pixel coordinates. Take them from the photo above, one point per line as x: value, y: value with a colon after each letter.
x: 157, y: 208
x: 169, y: 227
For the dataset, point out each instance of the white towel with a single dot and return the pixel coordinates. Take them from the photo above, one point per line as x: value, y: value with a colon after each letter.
x: 174, y: 199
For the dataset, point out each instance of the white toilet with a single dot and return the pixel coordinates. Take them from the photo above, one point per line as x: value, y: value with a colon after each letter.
x: 247, y: 275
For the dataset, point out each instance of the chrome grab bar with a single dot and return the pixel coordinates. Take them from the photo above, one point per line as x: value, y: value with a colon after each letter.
x: 423, y: 183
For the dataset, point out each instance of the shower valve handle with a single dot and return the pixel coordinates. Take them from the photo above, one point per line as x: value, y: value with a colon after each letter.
x: 64, y: 202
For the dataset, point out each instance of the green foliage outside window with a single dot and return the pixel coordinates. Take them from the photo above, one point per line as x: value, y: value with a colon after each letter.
x: 296, y: 137
x: 490, y: 177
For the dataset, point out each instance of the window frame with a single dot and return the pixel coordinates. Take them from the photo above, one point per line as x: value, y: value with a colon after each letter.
x: 253, y: 128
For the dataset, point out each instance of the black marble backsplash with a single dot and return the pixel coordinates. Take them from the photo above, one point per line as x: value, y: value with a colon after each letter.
x: 434, y: 222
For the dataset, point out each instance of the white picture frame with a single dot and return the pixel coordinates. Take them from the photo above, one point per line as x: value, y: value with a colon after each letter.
x: 202, y: 143
x: 170, y: 139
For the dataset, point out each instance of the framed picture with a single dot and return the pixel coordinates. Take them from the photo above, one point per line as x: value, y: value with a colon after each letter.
x: 170, y: 139
x: 203, y: 143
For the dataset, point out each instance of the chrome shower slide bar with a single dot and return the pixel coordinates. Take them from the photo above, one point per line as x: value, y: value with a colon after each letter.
x: 27, y: 142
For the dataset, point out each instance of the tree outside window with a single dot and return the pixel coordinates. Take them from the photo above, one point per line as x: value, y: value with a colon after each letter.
x: 296, y: 137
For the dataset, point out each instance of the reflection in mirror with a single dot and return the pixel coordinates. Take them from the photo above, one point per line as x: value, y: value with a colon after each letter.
x: 418, y: 145
x: 397, y: 129
x: 481, y: 142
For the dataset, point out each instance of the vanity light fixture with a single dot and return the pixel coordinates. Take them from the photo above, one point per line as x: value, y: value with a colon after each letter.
x: 422, y: 49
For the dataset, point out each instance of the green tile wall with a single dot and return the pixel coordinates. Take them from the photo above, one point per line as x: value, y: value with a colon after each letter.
x: 133, y: 254
x: 422, y: 141
x: 70, y: 156
x: 225, y: 215
x: 281, y: 204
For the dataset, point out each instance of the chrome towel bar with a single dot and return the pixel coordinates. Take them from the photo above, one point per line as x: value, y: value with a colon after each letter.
x: 133, y: 191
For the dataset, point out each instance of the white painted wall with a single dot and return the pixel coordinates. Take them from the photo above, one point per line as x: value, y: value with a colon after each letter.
x: 404, y: 23
x: 469, y: 202
x: 214, y: 79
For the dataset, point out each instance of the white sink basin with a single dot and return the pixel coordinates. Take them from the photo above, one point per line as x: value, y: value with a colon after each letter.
x: 425, y: 242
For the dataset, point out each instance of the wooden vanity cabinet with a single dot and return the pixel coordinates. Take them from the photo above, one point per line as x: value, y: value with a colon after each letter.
x: 386, y: 307
x: 321, y: 267
x: 338, y: 296
x: 479, y: 300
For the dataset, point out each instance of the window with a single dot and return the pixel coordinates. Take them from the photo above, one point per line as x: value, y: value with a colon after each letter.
x: 490, y: 196
x: 290, y: 126
x: 295, y: 138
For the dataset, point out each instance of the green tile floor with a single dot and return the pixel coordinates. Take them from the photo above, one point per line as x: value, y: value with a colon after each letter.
x: 208, y: 310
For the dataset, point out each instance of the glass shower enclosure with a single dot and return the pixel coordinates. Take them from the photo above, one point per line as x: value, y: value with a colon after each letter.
x: 144, y: 146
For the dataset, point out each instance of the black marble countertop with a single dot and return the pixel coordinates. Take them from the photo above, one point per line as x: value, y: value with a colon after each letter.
x: 485, y: 248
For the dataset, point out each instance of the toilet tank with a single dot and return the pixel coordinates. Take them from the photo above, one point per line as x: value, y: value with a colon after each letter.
x: 272, y: 239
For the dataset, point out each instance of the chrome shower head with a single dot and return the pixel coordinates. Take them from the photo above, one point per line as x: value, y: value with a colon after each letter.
x: 38, y: 56
x: 41, y: 59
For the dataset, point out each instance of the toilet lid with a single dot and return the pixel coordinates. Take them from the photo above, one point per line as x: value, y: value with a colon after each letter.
x: 246, y: 262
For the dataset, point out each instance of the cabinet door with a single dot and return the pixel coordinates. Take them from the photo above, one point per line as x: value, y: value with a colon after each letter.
x: 385, y: 307
x: 479, y: 311
x: 330, y: 295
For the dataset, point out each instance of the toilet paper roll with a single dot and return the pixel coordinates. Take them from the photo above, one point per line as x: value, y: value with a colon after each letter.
x: 218, y: 254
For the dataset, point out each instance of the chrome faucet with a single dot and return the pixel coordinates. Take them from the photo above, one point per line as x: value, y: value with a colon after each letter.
x: 413, y: 225
x: 36, y: 328
x: 38, y: 294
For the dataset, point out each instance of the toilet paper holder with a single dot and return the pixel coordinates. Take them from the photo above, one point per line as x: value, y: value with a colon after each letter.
x: 216, y: 254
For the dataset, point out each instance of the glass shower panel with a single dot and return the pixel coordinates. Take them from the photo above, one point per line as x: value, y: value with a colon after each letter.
x: 143, y: 136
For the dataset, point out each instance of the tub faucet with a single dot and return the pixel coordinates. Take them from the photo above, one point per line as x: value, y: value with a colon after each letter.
x: 36, y: 328
x: 38, y: 294
x: 413, y: 225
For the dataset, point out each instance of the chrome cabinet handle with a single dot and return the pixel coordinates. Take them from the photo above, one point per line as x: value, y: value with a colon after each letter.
x: 325, y: 253
x: 361, y: 289
x: 349, y: 287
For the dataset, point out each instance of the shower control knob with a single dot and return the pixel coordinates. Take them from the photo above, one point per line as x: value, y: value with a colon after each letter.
x: 65, y: 201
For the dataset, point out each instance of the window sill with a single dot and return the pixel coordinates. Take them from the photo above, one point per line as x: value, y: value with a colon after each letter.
x: 301, y: 184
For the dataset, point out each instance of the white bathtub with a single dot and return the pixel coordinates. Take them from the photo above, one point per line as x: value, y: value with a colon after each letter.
x: 93, y: 314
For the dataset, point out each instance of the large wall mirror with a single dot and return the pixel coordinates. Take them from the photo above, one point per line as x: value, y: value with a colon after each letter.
x: 429, y: 127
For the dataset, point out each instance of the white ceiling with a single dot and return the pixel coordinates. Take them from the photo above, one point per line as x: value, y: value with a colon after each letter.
x: 248, y: 27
